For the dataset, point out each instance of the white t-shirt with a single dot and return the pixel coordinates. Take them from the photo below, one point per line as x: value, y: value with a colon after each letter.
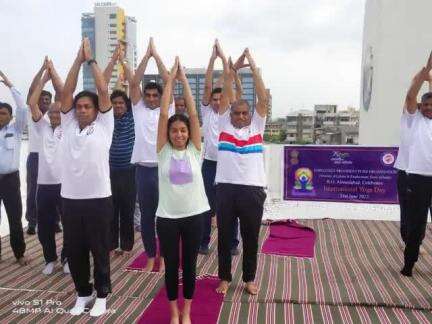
x: 85, y: 157
x: 420, y: 152
x: 405, y: 142
x: 181, y: 186
x: 146, y: 125
x: 240, y: 152
x: 210, y: 127
x: 34, y: 140
x: 48, y: 166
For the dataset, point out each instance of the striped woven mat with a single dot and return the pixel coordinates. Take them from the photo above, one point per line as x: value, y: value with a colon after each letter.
x: 354, y: 277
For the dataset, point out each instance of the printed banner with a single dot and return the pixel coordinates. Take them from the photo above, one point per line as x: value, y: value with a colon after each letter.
x: 340, y: 173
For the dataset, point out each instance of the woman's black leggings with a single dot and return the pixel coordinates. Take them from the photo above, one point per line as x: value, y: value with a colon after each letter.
x: 171, y: 232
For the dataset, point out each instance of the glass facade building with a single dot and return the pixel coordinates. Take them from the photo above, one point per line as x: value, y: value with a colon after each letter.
x: 196, y: 78
x: 88, y: 30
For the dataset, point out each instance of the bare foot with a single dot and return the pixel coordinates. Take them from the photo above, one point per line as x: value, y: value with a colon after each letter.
x: 161, y: 264
x: 175, y: 320
x: 23, y: 261
x: 251, y: 288
x: 185, y: 317
x: 150, y: 264
x: 174, y: 312
x: 223, y: 287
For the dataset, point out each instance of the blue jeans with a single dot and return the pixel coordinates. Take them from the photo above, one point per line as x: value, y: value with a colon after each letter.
x: 208, y: 170
x: 146, y: 179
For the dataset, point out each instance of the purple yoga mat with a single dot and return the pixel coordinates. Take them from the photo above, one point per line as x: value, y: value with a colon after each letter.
x: 288, y: 238
x: 206, y: 304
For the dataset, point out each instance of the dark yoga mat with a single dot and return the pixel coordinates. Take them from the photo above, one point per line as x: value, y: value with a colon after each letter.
x: 289, y: 238
x: 206, y: 304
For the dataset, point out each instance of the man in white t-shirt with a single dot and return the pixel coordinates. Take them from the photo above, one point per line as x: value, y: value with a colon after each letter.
x: 33, y: 146
x: 146, y: 111
x: 49, y: 130
x: 240, y: 176
x: 418, y: 131
x: 210, y: 119
x: 401, y: 165
x: 44, y: 103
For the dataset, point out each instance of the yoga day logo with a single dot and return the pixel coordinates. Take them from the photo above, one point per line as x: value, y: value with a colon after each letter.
x: 303, y: 185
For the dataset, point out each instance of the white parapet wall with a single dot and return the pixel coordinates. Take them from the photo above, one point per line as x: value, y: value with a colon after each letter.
x: 397, y: 40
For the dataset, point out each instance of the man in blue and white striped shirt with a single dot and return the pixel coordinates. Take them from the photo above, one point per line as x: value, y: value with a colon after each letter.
x: 10, y: 147
x: 122, y: 173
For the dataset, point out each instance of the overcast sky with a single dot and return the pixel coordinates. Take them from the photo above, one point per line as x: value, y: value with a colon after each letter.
x: 309, y: 50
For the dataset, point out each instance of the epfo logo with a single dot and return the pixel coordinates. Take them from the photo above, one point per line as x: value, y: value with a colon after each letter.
x: 387, y: 158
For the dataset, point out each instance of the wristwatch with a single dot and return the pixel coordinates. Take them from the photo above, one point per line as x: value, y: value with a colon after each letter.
x: 90, y: 62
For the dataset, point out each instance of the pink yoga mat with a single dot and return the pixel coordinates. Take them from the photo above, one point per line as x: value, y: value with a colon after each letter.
x: 288, y: 238
x: 140, y: 262
x: 206, y: 304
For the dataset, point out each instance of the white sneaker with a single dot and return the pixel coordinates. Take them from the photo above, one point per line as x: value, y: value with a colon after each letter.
x: 49, y: 268
x: 80, y: 305
x: 66, y: 268
x: 99, y: 307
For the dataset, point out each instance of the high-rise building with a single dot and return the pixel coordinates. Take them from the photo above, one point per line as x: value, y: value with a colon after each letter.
x: 196, y: 78
x: 269, y: 105
x: 106, y: 27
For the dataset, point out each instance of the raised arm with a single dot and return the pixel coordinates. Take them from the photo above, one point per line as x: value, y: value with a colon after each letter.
x: 100, y: 82
x: 227, y: 90
x: 21, y: 108
x: 120, y: 82
x: 16, y: 95
x: 128, y: 74
x: 208, y: 87
x: 34, y: 98
x: 195, y: 135
x: 411, y: 104
x: 71, y: 81
x: 262, y: 105
x: 107, y: 73
x: 56, y: 81
x: 163, y: 72
x: 135, y: 83
x: 162, y: 137
x: 37, y: 78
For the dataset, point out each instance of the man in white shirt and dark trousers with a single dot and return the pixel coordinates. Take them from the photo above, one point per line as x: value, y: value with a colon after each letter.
x: 210, y: 117
x: 419, y: 182
x: 146, y: 111
x: 44, y: 103
x: 48, y: 200
x: 10, y: 147
x: 240, y: 176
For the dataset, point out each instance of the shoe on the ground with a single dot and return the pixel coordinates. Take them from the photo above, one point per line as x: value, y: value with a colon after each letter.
x: 204, y: 250
x: 31, y: 230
